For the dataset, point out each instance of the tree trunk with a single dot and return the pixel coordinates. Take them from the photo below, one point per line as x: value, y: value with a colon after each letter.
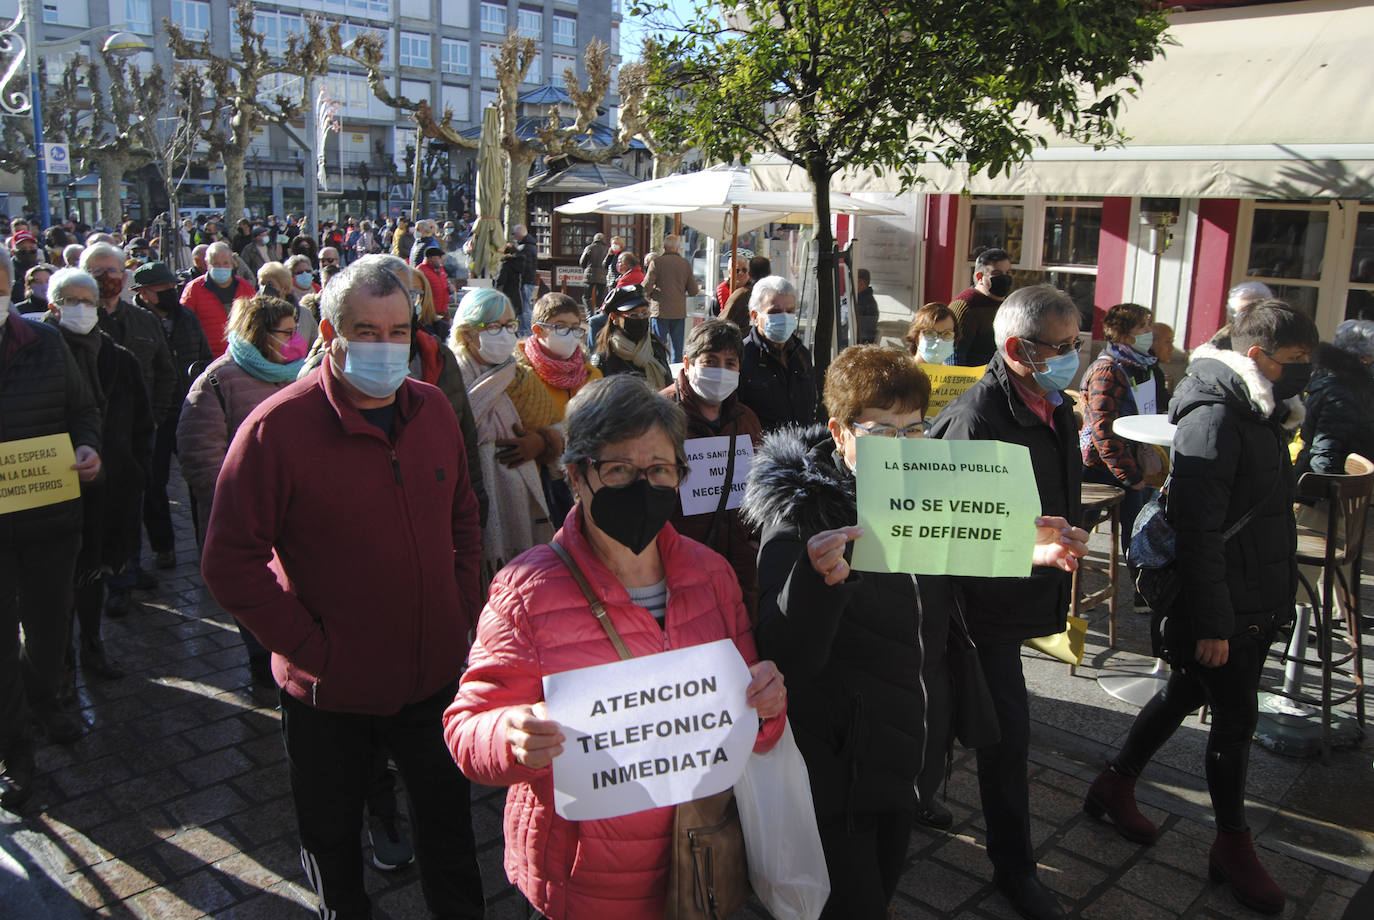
x: 824, y: 345
x: 110, y: 166
x: 233, y: 186
x: 517, y: 174
x: 664, y: 165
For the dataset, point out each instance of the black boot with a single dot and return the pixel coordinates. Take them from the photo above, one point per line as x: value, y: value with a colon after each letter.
x: 1028, y: 897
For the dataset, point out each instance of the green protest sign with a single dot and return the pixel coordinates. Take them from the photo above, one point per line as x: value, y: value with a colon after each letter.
x: 932, y: 507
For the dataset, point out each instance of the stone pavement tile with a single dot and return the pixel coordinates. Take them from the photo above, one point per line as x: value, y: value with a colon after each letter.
x: 1068, y: 875
x: 185, y: 898
x: 146, y: 790
x: 1098, y: 843
x: 109, y: 882
x: 132, y: 831
x: 1056, y: 798
x: 205, y: 806
x: 213, y: 768
x: 266, y: 749
x: 966, y: 853
x: 903, y: 909
x: 221, y: 734
x: 1162, y: 885
x: 1182, y: 852
x: 188, y: 850
x: 1327, y: 906
x: 1115, y: 904
x: 86, y: 811
x: 940, y: 887
x: 997, y: 907
x: 263, y: 784
x: 407, y: 901
x: 265, y: 822
x: 161, y: 724
x: 146, y: 756
x: 247, y: 873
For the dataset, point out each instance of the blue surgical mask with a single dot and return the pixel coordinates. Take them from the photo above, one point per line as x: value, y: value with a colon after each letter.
x: 935, y: 351
x: 303, y: 279
x: 1143, y: 342
x: 778, y: 327
x: 221, y: 276
x: 1059, y: 371
x: 377, y: 368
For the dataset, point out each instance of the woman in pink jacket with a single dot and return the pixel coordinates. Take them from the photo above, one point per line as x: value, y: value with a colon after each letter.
x: 624, y: 459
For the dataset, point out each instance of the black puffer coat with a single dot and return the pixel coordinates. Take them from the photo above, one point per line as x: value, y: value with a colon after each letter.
x: 868, y: 687
x: 1340, y: 412
x: 1230, y: 455
x: 42, y: 392
x: 780, y: 394
x: 1014, y: 609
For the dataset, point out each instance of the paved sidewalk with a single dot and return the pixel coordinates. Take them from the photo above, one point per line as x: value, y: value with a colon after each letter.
x: 176, y: 805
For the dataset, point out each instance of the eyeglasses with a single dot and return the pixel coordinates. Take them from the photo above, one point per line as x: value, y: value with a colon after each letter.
x: 562, y: 331
x: 1063, y: 348
x: 636, y: 313
x: 327, y: 261
x: 72, y: 302
x: 283, y: 333
x: 108, y: 270
x: 942, y: 336
x: 512, y: 327
x: 879, y: 430
x: 617, y: 474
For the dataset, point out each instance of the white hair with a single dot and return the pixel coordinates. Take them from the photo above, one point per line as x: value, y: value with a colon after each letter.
x: 1028, y: 311
x: 1355, y: 336
x: 100, y: 251
x: 770, y: 286
x: 375, y: 275
x: 671, y: 243
x: 72, y: 251
x: 217, y: 247
x: 64, y: 278
x: 1246, y: 293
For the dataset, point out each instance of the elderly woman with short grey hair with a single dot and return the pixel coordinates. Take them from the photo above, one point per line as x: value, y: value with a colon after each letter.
x: 112, y: 506
x: 1340, y: 401
x: 625, y: 460
x: 776, y: 376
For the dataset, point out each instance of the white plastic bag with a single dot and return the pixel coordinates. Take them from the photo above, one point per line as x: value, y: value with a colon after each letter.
x: 786, y: 863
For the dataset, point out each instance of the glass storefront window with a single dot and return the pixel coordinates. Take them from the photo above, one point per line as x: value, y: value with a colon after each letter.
x: 1299, y: 297
x: 1288, y: 243
x: 1362, y: 264
x: 1071, y: 235
x: 1000, y: 226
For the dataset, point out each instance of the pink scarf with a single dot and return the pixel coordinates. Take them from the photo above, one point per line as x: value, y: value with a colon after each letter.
x: 565, y: 373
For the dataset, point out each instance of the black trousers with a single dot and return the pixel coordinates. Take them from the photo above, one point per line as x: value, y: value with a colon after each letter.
x: 36, y: 593
x: 1231, y: 692
x: 1002, y: 782
x: 332, y: 757
x: 157, y: 511
x: 865, y: 863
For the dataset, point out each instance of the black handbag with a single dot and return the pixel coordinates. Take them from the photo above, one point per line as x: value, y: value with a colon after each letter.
x: 975, y: 717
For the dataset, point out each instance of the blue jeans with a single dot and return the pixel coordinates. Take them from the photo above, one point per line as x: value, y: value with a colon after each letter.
x: 528, y: 293
x: 594, y: 327
x: 669, y: 332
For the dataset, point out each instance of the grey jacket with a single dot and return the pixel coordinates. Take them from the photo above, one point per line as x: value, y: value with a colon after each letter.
x: 669, y: 283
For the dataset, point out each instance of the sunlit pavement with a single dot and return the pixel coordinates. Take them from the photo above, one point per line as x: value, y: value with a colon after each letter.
x: 176, y: 805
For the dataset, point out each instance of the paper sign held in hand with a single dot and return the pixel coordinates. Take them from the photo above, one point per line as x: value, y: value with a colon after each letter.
x: 37, y: 471
x: 649, y: 732
x: 700, y: 491
x: 932, y: 507
x: 947, y: 383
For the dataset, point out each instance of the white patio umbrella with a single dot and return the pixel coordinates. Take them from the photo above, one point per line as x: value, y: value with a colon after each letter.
x: 487, y: 235
x: 706, y: 198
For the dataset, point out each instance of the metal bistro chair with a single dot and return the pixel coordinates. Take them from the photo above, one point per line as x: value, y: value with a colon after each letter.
x: 1101, y: 501
x: 1337, y: 553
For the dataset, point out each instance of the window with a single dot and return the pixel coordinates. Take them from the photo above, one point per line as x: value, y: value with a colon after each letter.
x: 561, y: 64
x: 1287, y: 251
x: 349, y: 31
x: 615, y: 39
x: 536, y: 72
x: 192, y: 15
x: 575, y: 232
x: 453, y: 57
x: 138, y: 16
x: 58, y: 67
x: 50, y: 15
x: 493, y: 18
x: 531, y: 23
x: 415, y: 90
x: 1050, y: 240
x: 404, y: 137
x: 413, y: 50
x: 564, y: 30
x: 489, y: 98
x: 489, y: 55
x: 455, y: 100
x: 268, y: 25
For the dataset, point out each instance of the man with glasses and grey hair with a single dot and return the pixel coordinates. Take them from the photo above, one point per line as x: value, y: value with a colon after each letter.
x: 345, y: 536
x: 1020, y: 400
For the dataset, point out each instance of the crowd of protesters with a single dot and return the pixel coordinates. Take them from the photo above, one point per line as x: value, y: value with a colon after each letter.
x: 407, y: 490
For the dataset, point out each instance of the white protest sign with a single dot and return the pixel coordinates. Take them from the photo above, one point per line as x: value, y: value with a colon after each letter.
x: 652, y: 731
x: 700, y: 491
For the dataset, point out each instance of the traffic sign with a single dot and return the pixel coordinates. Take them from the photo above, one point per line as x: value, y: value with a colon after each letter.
x: 56, y: 161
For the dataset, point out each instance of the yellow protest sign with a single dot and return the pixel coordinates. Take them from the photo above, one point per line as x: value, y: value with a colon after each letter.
x: 932, y: 507
x: 36, y: 472
x: 948, y: 382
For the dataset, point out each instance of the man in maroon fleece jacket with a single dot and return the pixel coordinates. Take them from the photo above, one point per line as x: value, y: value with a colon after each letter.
x: 344, y: 535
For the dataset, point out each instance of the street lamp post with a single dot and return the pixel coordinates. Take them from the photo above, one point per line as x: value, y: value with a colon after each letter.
x: 25, y: 51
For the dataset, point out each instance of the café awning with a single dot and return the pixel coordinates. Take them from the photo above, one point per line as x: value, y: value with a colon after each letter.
x: 1263, y: 101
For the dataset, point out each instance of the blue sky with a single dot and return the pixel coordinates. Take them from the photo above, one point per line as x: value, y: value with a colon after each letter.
x: 633, y: 29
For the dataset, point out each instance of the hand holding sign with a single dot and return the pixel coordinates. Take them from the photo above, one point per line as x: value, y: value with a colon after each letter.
x: 87, y: 463
x: 534, y: 739
x: 826, y: 552
x: 766, y: 692
x: 1059, y: 544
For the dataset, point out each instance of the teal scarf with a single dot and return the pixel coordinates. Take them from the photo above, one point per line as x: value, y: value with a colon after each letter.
x: 251, y: 360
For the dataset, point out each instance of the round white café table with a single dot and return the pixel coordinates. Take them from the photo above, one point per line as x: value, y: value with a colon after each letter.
x: 1139, y: 686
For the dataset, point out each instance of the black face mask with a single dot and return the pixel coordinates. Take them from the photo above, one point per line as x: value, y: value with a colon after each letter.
x: 632, y: 516
x: 1292, y: 381
x: 25, y: 258
x: 636, y: 329
x: 999, y: 285
x: 166, y: 300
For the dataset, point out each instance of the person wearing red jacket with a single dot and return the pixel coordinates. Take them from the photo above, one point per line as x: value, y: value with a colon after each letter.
x: 211, y: 296
x: 345, y: 535
x: 433, y: 267
x: 624, y: 458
